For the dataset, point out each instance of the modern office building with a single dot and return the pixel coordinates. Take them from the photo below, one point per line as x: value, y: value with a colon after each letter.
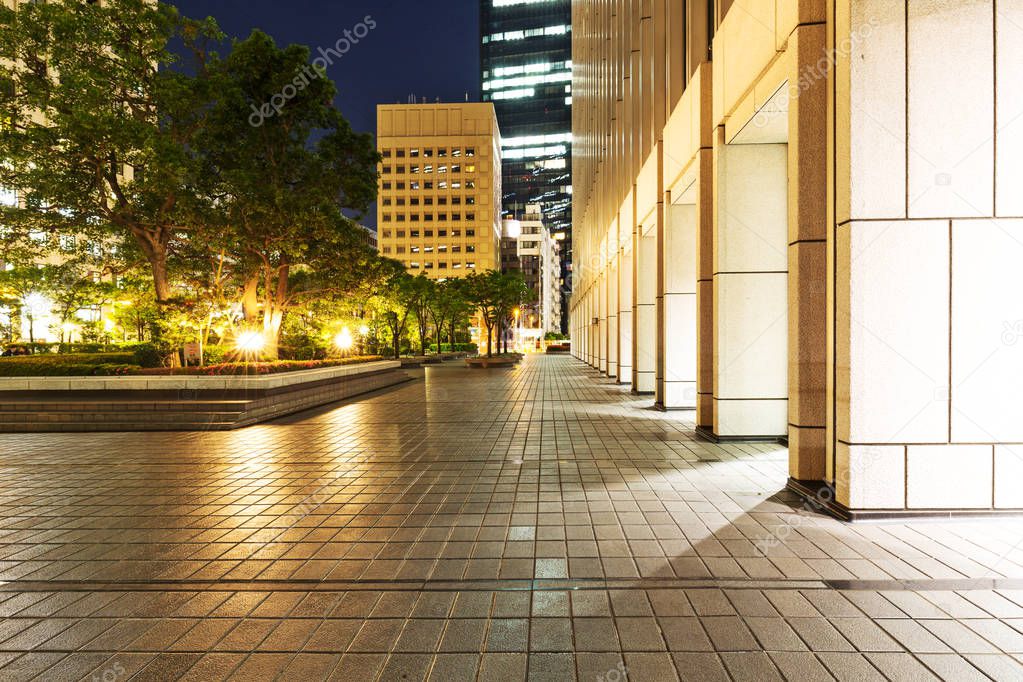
x: 530, y: 248
x: 809, y: 233
x: 438, y: 209
x: 526, y: 68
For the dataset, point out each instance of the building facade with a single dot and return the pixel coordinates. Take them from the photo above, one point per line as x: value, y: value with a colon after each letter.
x: 537, y: 256
x: 438, y: 208
x: 793, y: 217
x: 526, y: 69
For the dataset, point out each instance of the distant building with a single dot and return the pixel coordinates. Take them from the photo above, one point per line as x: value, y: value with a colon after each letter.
x: 438, y: 208
x: 529, y: 247
x: 370, y: 234
x: 526, y: 70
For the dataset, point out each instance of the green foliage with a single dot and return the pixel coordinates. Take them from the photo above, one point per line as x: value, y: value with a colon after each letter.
x: 496, y: 296
x: 148, y: 355
x: 158, y: 178
x: 257, y: 368
x: 77, y: 364
x: 71, y: 141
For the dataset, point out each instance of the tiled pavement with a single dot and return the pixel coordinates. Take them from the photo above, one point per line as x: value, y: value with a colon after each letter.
x: 478, y: 524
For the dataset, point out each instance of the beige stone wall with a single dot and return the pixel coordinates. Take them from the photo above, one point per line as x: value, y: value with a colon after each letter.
x: 927, y: 245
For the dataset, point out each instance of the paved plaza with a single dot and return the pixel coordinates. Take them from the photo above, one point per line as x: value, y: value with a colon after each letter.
x: 538, y: 522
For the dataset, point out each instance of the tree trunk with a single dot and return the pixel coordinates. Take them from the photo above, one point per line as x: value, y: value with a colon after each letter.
x: 490, y: 340
x: 396, y: 340
x: 156, y: 254
x: 272, y: 323
x: 250, y: 299
x: 274, y: 310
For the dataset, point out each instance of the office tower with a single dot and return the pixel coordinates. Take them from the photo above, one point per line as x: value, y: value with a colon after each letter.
x: 526, y: 68
x: 440, y: 185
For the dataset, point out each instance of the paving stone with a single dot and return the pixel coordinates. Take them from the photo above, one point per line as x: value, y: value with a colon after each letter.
x: 900, y: 667
x: 464, y: 527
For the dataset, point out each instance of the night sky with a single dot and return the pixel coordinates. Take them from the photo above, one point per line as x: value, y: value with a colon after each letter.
x: 426, y: 47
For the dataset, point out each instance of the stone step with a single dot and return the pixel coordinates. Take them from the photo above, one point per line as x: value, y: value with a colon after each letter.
x: 159, y: 416
x: 50, y: 427
x: 120, y: 407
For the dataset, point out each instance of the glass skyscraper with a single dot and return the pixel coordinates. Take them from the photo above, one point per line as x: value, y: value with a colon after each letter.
x: 526, y: 66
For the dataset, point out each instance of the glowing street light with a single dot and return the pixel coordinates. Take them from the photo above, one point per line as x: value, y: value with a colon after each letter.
x: 344, y: 341
x: 363, y: 330
x: 250, y: 342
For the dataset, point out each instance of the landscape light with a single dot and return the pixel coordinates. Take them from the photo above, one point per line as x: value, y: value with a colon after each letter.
x: 344, y: 340
x: 363, y: 330
x: 250, y: 342
x: 37, y: 304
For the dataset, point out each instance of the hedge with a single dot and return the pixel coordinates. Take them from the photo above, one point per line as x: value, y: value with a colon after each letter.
x: 71, y: 364
x: 255, y: 368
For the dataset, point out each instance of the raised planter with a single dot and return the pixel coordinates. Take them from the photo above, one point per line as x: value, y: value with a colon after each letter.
x: 181, y: 403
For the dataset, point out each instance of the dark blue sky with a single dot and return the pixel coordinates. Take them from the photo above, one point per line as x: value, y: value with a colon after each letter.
x: 426, y: 47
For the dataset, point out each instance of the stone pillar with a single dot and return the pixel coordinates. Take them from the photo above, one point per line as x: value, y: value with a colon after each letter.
x: 705, y: 292
x: 645, y: 311
x: 612, y: 313
x: 625, y: 321
x: 602, y: 319
x: 750, y: 290
x: 677, y: 298
x: 807, y: 239
x: 926, y: 315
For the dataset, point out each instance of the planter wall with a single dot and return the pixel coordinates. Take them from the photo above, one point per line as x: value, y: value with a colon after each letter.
x: 180, y: 403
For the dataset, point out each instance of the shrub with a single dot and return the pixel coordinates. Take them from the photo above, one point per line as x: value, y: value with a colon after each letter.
x: 214, y: 354
x: 147, y: 355
x: 256, y: 368
x: 77, y: 364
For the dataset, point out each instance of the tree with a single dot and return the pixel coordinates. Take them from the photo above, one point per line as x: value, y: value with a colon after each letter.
x: 282, y: 180
x: 495, y: 295
x: 72, y: 289
x: 396, y: 301
x: 97, y: 132
x: 448, y: 308
x: 23, y: 287
x: 421, y: 294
